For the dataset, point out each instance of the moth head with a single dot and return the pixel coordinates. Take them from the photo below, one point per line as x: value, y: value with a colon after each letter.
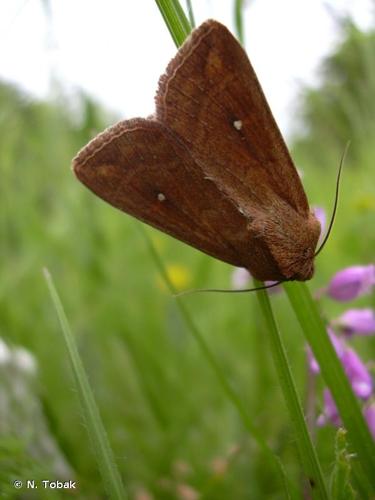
x: 291, y: 240
x: 304, y: 267
x: 305, y: 241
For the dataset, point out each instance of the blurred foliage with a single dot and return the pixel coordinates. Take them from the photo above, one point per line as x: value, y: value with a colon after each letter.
x: 173, y: 431
x: 342, y: 107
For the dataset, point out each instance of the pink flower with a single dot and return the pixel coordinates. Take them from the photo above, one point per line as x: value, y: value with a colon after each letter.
x: 240, y: 278
x: 360, y: 321
x: 338, y: 344
x: 312, y: 362
x: 357, y: 373
x: 330, y: 413
x: 354, y: 367
x: 351, y: 282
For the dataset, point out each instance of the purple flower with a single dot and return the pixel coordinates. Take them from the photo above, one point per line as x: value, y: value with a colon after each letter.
x: 351, y: 282
x: 320, y: 214
x: 330, y: 413
x: 357, y: 373
x: 360, y: 321
x: 312, y: 362
x: 354, y: 367
x: 338, y: 344
x: 240, y: 278
x: 369, y: 413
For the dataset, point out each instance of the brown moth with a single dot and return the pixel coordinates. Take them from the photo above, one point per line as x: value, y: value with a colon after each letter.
x: 210, y: 167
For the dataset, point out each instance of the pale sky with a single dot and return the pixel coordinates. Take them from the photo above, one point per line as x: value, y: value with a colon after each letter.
x: 117, y: 49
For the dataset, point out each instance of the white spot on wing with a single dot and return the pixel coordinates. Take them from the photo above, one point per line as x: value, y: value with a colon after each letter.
x: 237, y: 124
x: 161, y: 197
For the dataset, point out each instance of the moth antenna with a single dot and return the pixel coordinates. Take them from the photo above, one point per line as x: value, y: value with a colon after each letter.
x: 336, y: 200
x: 224, y: 290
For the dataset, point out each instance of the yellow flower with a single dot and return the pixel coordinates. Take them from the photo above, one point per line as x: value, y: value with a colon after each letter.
x: 179, y: 276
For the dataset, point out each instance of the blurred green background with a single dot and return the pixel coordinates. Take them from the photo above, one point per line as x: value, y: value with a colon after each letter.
x: 173, y: 431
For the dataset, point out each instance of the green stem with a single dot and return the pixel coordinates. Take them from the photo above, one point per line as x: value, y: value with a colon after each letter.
x: 305, y: 446
x: 104, y: 455
x: 190, y: 13
x: 175, y: 19
x: 238, y: 19
x: 333, y: 373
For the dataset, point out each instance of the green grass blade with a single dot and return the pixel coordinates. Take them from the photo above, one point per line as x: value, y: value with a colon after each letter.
x: 305, y: 446
x: 106, y: 462
x: 333, y: 373
x: 190, y: 13
x: 238, y: 20
x: 175, y: 19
